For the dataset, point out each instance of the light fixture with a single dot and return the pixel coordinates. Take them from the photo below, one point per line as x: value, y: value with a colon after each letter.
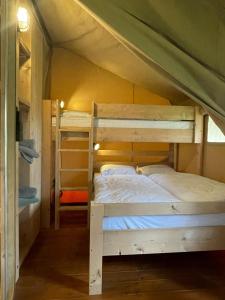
x: 96, y: 147
x: 23, y: 19
x: 62, y: 104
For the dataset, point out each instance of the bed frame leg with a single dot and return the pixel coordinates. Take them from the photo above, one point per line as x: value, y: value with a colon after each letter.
x: 96, y: 249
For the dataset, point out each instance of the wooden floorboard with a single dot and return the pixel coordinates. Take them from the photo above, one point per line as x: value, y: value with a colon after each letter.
x: 57, y: 269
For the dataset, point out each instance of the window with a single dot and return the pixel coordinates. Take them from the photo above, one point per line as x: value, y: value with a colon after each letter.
x: 215, y: 135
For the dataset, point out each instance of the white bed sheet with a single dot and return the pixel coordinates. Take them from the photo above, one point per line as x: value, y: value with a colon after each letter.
x: 129, y: 189
x: 174, y: 221
x: 158, y: 188
x: 190, y: 187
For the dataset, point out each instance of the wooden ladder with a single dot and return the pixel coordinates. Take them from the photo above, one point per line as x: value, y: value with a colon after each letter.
x: 72, y: 134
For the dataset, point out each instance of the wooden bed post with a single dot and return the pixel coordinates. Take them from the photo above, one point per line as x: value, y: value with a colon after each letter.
x: 173, y: 156
x: 90, y: 162
x: 57, y: 166
x: 96, y: 249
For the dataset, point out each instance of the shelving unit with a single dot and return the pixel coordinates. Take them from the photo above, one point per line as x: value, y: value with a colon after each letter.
x: 29, y: 97
x: 71, y: 134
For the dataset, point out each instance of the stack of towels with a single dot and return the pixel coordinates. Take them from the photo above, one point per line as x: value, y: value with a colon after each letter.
x: 26, y: 148
x: 27, y: 195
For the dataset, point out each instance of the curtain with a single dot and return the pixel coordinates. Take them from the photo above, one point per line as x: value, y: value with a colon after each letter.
x: 183, y: 39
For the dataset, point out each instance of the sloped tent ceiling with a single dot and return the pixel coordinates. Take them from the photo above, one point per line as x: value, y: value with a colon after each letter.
x: 158, y: 44
x: 72, y: 28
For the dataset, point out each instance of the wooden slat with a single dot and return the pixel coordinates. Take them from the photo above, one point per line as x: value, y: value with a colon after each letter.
x: 9, y: 224
x: 73, y: 170
x: 73, y: 150
x: 163, y: 208
x: 75, y: 139
x: 198, y: 129
x: 73, y: 207
x: 128, y: 153
x: 77, y: 188
x: 46, y: 164
x: 57, y: 167
x: 144, y: 135
x: 75, y: 129
x: 157, y: 241
x: 98, y: 164
x: 144, y: 112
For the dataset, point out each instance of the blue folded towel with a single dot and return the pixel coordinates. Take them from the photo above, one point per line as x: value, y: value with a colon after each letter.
x: 27, y: 192
x: 27, y: 201
x: 26, y: 148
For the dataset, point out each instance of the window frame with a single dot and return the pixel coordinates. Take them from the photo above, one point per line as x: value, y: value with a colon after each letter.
x: 206, y: 133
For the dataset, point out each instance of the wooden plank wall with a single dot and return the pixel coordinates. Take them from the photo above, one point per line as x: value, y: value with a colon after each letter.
x: 8, y: 149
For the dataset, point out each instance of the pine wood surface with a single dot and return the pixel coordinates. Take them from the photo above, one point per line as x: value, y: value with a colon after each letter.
x: 57, y: 268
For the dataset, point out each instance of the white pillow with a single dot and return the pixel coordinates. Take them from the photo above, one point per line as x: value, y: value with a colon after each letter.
x: 154, y: 169
x: 117, y: 170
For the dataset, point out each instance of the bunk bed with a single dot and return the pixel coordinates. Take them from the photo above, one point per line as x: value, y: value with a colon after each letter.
x: 169, y: 124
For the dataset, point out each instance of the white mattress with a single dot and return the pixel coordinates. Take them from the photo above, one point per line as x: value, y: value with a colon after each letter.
x: 174, y: 221
x: 158, y: 188
x: 79, y: 121
x: 129, y: 189
x: 190, y: 187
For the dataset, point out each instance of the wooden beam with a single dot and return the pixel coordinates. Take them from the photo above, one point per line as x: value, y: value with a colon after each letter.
x: 129, y: 153
x: 198, y: 129
x: 143, y: 135
x: 145, y: 112
x: 156, y: 240
x: 163, y: 208
x: 8, y: 148
x: 57, y: 166
x: 96, y: 249
x: 46, y: 164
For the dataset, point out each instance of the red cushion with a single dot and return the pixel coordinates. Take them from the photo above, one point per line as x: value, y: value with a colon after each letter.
x: 74, y: 197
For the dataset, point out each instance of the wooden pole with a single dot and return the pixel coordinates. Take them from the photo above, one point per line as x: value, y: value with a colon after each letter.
x: 8, y: 148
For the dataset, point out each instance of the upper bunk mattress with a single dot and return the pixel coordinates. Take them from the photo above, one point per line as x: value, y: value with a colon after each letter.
x: 130, y: 189
x: 190, y: 187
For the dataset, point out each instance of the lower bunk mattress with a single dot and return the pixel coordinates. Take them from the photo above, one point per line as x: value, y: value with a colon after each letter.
x: 176, y: 187
x: 171, y: 221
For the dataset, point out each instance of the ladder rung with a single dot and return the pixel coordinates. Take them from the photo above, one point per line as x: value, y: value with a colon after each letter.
x: 77, y: 188
x: 75, y: 139
x: 73, y: 207
x: 74, y: 170
x: 74, y: 129
x: 73, y: 150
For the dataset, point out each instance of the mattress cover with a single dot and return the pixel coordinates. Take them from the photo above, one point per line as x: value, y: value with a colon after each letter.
x: 171, y: 221
x: 130, y: 189
x: 190, y: 187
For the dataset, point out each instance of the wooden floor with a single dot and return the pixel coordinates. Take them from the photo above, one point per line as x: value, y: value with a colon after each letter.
x: 57, y: 269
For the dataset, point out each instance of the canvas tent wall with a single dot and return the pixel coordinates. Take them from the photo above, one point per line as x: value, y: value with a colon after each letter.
x: 166, y: 44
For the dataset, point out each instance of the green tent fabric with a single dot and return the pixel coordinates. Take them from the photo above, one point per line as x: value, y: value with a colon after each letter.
x: 183, y: 39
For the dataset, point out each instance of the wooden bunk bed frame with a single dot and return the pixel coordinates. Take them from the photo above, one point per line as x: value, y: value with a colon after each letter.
x: 130, y: 242
x: 73, y: 133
